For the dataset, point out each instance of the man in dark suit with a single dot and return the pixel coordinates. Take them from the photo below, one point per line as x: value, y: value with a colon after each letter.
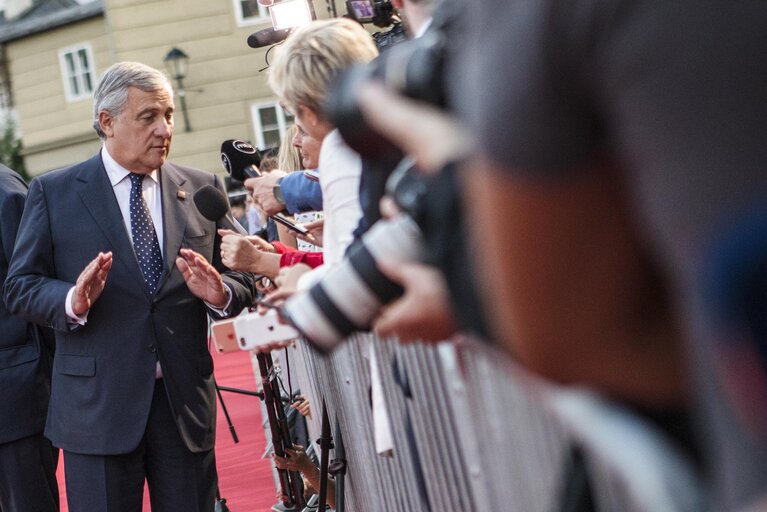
x: 27, y: 459
x: 133, y: 395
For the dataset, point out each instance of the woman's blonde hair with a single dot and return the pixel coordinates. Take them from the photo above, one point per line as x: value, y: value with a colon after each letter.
x: 311, y: 58
x: 289, y: 157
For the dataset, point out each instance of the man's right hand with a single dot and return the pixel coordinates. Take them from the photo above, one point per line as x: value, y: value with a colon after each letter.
x: 90, y: 283
x: 263, y: 191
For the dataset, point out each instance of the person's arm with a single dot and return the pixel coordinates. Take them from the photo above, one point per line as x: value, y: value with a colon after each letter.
x: 300, y: 194
x: 341, y: 168
x: 29, y: 289
x: 570, y: 294
x: 296, y: 459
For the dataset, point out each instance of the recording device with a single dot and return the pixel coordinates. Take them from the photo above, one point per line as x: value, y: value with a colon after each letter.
x: 240, y: 159
x: 380, y: 13
x: 267, y: 37
x: 214, y: 206
x: 248, y: 332
x: 350, y: 296
x: 289, y: 224
x: 286, y: 15
x: 414, y: 68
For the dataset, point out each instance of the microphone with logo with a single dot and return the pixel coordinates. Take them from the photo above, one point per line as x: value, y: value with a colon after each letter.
x: 240, y: 159
x: 214, y: 206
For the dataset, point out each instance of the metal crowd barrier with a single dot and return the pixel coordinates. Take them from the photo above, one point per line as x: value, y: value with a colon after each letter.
x: 473, y: 432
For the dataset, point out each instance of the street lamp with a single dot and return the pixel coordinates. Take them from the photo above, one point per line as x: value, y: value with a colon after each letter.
x: 177, y: 65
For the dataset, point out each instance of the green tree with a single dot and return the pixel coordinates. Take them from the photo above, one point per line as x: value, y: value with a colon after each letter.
x: 10, y: 149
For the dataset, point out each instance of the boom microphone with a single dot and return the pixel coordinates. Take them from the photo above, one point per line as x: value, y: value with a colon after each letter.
x: 240, y: 159
x: 267, y: 37
x: 213, y: 205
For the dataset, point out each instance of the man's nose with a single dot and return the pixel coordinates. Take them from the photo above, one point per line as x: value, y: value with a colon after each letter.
x: 164, y: 128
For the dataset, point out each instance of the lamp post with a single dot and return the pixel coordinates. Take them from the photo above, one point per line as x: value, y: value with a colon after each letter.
x: 177, y: 64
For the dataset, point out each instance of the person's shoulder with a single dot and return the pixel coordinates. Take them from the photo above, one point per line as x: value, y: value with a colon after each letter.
x: 191, y: 173
x: 63, y: 175
x: 11, y: 181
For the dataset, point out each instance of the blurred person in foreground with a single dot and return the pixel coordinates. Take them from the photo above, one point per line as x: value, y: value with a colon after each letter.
x: 620, y: 202
x: 112, y: 254
x: 27, y: 459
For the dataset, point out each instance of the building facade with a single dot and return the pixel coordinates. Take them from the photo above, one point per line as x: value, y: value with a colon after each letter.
x: 54, y: 51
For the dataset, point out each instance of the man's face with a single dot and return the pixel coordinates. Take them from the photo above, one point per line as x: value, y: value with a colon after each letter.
x: 139, y: 137
x: 309, y: 148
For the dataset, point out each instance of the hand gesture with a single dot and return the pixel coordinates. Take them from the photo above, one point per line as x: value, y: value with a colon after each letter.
x: 315, y: 232
x: 295, y: 459
x: 424, y: 312
x: 202, y: 279
x: 90, y: 283
x: 422, y: 131
x: 301, y: 405
x: 248, y: 254
x: 263, y: 192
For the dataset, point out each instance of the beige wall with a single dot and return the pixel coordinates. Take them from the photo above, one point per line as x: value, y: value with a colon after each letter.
x: 222, y: 84
x: 48, y: 122
x: 223, y: 79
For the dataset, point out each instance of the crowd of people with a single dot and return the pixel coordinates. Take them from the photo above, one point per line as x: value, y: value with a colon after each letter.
x: 595, y: 206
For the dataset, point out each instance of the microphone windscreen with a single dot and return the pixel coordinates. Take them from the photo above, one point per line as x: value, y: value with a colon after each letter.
x: 240, y: 159
x: 267, y: 37
x: 211, y: 203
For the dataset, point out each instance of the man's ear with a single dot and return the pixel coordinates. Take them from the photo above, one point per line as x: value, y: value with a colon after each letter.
x: 106, y: 123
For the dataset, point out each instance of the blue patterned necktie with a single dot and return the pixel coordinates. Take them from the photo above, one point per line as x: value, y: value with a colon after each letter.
x: 144, y: 236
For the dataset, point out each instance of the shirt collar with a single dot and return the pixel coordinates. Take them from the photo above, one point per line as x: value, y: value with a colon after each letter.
x: 117, y: 172
x: 423, y: 28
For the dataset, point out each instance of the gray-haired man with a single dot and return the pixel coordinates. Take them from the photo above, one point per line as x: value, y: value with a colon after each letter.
x: 113, y: 256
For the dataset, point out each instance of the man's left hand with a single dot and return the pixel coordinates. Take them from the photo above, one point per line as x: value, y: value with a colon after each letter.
x: 202, y: 278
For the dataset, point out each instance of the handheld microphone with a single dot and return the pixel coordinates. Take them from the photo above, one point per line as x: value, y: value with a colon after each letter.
x: 267, y: 37
x: 240, y: 159
x: 212, y: 204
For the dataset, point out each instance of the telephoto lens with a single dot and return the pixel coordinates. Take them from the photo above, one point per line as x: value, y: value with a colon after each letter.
x: 350, y: 296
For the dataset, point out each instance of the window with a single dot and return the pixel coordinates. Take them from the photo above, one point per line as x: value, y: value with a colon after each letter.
x: 77, y: 71
x: 250, y: 12
x: 270, y: 122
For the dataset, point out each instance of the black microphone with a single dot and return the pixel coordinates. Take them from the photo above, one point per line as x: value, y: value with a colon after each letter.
x: 212, y: 204
x: 240, y: 159
x: 267, y: 37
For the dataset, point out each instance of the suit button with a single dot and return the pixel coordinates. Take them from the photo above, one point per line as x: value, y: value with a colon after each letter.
x: 152, y: 348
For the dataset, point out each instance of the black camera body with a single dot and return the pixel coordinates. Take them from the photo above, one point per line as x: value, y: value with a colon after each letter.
x: 414, y: 68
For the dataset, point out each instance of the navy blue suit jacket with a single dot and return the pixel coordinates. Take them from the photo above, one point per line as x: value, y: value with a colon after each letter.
x: 24, y: 354
x: 104, y: 371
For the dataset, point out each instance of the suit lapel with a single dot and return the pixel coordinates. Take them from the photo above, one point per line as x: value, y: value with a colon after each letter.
x: 99, y: 199
x: 175, y: 212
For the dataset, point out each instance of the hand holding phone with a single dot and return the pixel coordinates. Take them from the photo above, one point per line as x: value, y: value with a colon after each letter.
x: 289, y: 224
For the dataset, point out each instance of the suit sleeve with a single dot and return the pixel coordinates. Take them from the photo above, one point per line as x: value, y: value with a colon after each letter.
x: 301, y: 194
x: 31, y: 289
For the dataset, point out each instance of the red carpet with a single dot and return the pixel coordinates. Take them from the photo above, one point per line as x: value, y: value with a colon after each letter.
x: 245, y: 480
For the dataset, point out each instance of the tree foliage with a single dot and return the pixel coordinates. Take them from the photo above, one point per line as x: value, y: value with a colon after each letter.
x: 10, y: 149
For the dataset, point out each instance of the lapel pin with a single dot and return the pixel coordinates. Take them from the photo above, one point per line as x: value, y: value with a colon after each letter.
x: 181, y: 195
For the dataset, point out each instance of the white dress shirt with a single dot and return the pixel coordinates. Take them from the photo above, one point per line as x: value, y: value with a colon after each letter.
x: 121, y: 186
